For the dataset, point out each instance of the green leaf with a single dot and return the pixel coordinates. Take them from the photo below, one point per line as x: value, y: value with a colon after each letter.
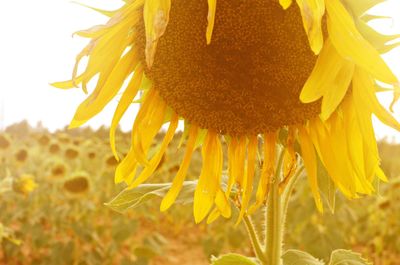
x: 132, y: 198
x: 297, y: 257
x: 347, y: 257
x: 233, y: 259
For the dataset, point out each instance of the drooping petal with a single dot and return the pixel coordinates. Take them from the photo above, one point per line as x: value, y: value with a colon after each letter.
x: 211, y: 171
x: 332, y: 155
x: 249, y: 177
x: 289, y: 159
x: 377, y: 39
x: 213, y: 216
x: 68, y: 84
x: 212, y: 5
x: 267, y: 171
x: 155, y: 161
x: 336, y: 91
x: 355, y: 146
x: 351, y: 45
x: 364, y: 91
x: 177, y: 183
x: 101, y: 11
x: 323, y: 76
x: 310, y: 163
x: 312, y: 12
x: 285, y: 3
x: 103, y: 94
x: 359, y: 8
x: 147, y: 124
x: 222, y: 203
x: 156, y: 17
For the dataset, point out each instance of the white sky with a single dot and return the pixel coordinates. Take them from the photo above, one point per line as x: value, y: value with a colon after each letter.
x: 36, y: 48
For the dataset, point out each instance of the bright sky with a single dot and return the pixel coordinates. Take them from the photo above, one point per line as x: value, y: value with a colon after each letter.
x: 36, y: 48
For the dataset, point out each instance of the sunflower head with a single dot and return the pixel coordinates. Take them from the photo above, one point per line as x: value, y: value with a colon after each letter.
x: 5, y: 141
x: 54, y: 148
x: 44, y: 139
x: 58, y: 170
x: 110, y: 161
x: 77, y: 142
x: 239, y: 72
x: 91, y: 155
x: 22, y: 155
x: 24, y: 184
x: 71, y: 153
x: 77, y: 184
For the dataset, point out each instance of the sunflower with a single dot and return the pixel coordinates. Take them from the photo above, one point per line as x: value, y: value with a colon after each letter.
x: 24, y: 184
x: 44, y: 139
x: 110, y: 161
x: 22, y: 155
x: 71, y: 153
x: 239, y: 72
x: 5, y: 141
x: 54, y: 148
x: 91, y: 155
x: 77, y: 184
x: 58, y: 170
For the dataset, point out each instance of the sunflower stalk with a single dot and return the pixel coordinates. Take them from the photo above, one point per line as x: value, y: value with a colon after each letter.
x: 274, y: 218
x: 255, y: 239
x: 270, y: 252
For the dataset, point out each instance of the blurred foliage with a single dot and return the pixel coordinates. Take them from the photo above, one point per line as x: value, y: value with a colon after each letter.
x: 58, y: 216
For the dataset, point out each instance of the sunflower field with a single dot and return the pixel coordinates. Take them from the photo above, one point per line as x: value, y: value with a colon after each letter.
x: 59, y: 205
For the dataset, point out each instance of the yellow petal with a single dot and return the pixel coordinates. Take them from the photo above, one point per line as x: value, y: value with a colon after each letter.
x: 232, y: 146
x: 177, y: 183
x: 101, y: 11
x: 126, y: 170
x: 156, y: 17
x: 240, y: 154
x: 310, y: 163
x: 364, y: 91
x: 336, y: 90
x: 214, y: 215
x: 147, y: 124
x: 328, y: 64
x: 359, y: 8
x: 312, y: 12
x: 267, y: 171
x: 289, y: 159
x: 93, y: 32
x: 222, y: 203
x: 355, y: 145
x: 68, y: 84
x: 249, y: 177
x: 211, y: 171
x: 351, y: 45
x: 125, y: 101
x: 155, y: 161
x: 103, y: 94
x: 212, y: 5
x: 285, y: 3
x: 332, y: 152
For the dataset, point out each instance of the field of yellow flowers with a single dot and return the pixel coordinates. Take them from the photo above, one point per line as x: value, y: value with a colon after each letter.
x: 57, y: 207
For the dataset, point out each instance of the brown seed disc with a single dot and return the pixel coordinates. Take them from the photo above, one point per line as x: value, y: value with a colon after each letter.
x: 77, y: 185
x: 248, y: 80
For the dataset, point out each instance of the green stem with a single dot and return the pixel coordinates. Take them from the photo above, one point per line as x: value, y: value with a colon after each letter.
x: 274, y: 218
x: 289, y: 189
x: 276, y: 210
x: 255, y: 242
